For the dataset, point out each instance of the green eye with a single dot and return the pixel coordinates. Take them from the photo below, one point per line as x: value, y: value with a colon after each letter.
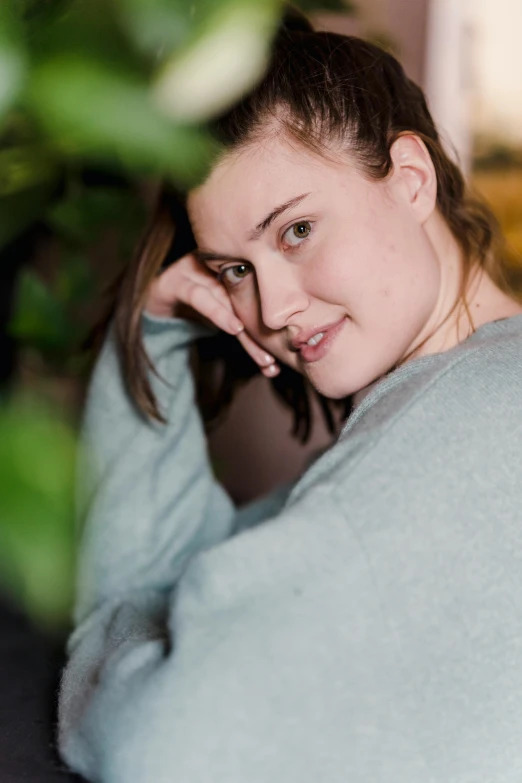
x: 241, y: 270
x: 233, y: 275
x: 297, y: 232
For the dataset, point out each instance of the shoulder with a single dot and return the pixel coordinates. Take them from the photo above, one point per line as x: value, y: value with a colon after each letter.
x: 451, y: 413
x: 459, y: 382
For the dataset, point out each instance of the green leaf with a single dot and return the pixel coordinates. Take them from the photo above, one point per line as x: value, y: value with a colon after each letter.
x: 158, y: 27
x: 13, y: 60
x: 40, y: 12
x: 40, y: 318
x: 226, y: 55
x: 75, y: 284
x: 82, y: 216
x: 37, y: 539
x: 345, y: 6
x: 25, y: 166
x: 20, y: 209
x: 93, y: 110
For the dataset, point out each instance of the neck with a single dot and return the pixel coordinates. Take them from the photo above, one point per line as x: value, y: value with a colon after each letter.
x: 463, y: 304
x: 460, y: 309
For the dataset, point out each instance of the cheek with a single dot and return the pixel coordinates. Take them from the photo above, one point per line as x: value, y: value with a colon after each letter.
x: 379, y: 275
x: 246, y: 307
x: 350, y: 262
x: 331, y: 271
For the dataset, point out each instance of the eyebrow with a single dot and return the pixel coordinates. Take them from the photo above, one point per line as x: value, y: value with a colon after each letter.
x: 205, y: 256
x: 269, y: 219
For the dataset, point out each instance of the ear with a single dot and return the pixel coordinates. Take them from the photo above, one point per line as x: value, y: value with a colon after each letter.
x: 413, y: 168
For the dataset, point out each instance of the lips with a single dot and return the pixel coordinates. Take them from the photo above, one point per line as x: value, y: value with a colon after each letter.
x: 306, y: 334
x: 312, y: 353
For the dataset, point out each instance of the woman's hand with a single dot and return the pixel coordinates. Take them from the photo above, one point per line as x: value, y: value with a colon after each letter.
x: 186, y: 289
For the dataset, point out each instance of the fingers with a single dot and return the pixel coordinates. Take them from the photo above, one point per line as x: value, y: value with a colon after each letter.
x: 257, y: 353
x: 266, y: 361
x: 204, y: 300
x: 185, y: 283
x: 218, y: 308
x: 271, y: 371
x: 213, y: 303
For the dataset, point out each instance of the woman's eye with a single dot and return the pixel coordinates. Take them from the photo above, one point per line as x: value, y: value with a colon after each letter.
x: 234, y: 274
x: 295, y: 234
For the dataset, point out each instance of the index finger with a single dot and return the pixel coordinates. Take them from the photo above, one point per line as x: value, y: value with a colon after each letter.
x: 258, y: 354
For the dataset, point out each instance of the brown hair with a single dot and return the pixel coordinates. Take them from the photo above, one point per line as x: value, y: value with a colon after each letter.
x: 324, y: 90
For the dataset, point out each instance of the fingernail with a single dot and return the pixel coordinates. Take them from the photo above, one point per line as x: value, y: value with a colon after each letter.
x: 272, y: 370
x: 266, y: 358
x: 237, y: 326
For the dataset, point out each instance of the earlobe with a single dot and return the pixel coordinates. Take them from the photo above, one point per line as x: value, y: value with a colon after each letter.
x: 413, y: 166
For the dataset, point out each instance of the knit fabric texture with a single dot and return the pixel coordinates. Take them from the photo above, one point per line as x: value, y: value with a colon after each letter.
x: 363, y: 627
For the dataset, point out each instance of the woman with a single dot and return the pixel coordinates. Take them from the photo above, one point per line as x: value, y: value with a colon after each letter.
x: 363, y: 625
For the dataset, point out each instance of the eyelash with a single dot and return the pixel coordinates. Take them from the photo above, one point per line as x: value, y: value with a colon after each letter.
x: 292, y: 248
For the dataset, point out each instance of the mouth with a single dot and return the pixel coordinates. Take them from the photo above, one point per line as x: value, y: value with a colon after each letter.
x: 319, y: 345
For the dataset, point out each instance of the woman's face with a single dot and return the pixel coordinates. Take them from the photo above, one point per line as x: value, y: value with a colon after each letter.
x: 306, y: 246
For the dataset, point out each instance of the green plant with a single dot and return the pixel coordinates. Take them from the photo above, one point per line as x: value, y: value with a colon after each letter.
x: 37, y: 541
x: 96, y: 98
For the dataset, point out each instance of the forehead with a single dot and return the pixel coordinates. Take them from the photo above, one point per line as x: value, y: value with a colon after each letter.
x: 244, y: 186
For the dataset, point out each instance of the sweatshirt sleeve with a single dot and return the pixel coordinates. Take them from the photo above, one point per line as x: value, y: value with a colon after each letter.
x: 149, y: 503
x: 147, y: 495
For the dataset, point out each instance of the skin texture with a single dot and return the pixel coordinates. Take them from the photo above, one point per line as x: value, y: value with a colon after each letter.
x: 374, y: 253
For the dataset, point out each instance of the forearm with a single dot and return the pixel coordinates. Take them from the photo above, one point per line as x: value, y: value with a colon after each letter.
x: 152, y: 505
x: 149, y: 502
x: 148, y: 495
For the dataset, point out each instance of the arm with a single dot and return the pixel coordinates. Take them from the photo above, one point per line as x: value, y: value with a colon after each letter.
x: 368, y: 632
x: 150, y: 503
x: 148, y: 494
x: 217, y: 697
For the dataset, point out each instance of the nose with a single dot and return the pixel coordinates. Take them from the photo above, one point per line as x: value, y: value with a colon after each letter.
x: 281, y: 295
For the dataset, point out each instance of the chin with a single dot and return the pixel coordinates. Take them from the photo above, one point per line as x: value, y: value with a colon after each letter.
x: 336, y: 387
x: 333, y: 390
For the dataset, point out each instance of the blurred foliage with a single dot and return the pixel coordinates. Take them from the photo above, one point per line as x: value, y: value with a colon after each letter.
x: 97, y: 98
x: 37, y: 459
x: 51, y: 317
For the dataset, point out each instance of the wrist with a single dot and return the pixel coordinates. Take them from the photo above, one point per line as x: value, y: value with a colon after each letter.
x: 158, y: 308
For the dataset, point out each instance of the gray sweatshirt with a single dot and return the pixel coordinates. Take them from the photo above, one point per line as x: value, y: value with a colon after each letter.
x: 365, y: 627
